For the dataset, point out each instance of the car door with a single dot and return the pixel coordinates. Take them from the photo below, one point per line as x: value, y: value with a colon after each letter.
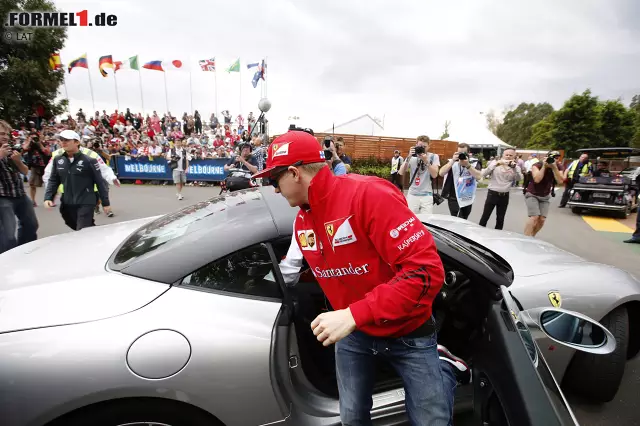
x: 237, y: 330
x: 512, y: 382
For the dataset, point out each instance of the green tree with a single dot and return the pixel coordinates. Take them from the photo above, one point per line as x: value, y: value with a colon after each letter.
x: 492, y: 121
x: 635, y: 109
x: 26, y: 79
x: 445, y: 134
x: 576, y: 124
x: 517, y: 126
x: 542, y: 134
x: 616, y: 124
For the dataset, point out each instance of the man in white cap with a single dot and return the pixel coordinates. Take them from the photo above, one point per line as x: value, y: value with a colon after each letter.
x: 79, y: 173
x: 106, y: 171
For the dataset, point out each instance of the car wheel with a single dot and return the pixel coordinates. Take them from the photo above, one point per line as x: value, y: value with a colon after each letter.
x: 576, y: 210
x: 139, y: 412
x: 598, y: 377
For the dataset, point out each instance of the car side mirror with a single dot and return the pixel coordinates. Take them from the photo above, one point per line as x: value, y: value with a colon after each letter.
x: 573, y: 330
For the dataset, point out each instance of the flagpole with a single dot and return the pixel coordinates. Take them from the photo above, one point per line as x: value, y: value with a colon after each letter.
x: 141, y: 97
x: 66, y: 92
x: 115, y: 82
x: 240, y: 74
x: 191, y: 91
x: 166, y: 96
x: 215, y: 82
x: 93, y: 103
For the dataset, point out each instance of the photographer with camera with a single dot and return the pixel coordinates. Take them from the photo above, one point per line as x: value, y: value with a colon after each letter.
x: 37, y: 156
x: 333, y: 158
x: 543, y: 178
x: 460, y: 182
x: 241, y: 167
x: 14, y: 201
x: 179, y: 158
x: 504, y: 173
x: 423, y: 167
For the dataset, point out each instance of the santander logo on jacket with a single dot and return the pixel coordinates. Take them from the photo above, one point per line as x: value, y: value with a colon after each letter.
x: 369, y: 252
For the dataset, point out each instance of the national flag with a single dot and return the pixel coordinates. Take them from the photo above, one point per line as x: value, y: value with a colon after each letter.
x: 235, y: 67
x: 208, y: 64
x: 79, y: 62
x: 54, y: 61
x: 163, y: 65
x: 105, y: 62
x: 259, y: 74
x: 131, y: 64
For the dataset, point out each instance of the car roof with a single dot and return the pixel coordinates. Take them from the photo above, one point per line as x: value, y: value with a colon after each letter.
x: 174, y: 245
x: 615, y: 152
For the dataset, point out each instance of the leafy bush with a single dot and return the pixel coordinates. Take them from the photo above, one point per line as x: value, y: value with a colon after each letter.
x: 372, y: 167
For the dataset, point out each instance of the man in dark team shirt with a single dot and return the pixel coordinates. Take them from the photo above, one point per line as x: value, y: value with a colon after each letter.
x: 545, y: 174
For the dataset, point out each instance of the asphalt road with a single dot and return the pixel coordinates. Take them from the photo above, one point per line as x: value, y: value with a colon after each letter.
x: 595, y: 239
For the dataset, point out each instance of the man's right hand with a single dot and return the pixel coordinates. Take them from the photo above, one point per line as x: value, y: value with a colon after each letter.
x: 455, y: 156
x: 48, y: 204
x: 5, y: 150
x: 412, y: 151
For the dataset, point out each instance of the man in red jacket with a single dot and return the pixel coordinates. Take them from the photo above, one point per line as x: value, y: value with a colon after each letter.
x: 380, y: 270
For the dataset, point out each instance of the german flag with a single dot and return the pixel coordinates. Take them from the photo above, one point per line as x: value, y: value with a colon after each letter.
x: 105, y: 62
x: 54, y: 61
x: 80, y: 62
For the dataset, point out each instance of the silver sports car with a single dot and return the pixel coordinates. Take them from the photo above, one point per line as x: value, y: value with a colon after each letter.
x: 184, y: 320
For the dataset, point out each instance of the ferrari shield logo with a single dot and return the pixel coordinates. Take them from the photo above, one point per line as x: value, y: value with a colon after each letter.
x: 330, y: 230
x: 555, y: 298
x: 275, y: 147
x: 302, y: 237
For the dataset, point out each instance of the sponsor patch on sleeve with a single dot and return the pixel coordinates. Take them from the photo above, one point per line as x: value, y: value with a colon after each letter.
x: 307, y: 239
x: 403, y: 228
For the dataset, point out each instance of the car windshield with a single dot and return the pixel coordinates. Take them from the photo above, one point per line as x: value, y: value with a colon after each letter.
x: 176, y: 225
x: 476, y: 251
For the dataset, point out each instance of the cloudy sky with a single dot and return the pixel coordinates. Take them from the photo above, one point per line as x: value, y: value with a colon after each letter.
x: 415, y: 63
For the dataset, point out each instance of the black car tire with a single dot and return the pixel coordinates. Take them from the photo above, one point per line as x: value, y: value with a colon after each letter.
x: 143, y: 410
x: 576, y: 210
x: 597, y: 377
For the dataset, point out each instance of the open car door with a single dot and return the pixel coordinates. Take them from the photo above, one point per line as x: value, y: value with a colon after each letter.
x: 512, y: 382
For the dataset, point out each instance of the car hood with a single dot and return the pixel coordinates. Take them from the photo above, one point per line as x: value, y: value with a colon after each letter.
x: 63, y: 280
x: 526, y: 255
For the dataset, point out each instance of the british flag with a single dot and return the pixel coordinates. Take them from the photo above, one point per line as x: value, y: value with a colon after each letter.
x: 208, y: 64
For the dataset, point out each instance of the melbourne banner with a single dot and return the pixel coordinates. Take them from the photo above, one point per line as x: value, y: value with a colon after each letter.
x: 158, y: 169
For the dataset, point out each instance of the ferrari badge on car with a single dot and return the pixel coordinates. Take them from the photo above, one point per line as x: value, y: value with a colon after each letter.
x: 555, y: 298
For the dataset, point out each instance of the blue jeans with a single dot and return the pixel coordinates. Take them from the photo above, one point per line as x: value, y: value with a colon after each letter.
x: 429, y: 383
x: 26, y: 223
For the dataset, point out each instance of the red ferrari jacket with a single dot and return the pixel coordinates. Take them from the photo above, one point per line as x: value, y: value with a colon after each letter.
x: 369, y: 252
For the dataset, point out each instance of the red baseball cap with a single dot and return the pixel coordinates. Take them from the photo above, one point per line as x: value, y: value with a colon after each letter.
x: 292, y: 147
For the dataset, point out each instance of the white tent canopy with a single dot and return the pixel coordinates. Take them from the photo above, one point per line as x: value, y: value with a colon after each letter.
x: 477, y: 136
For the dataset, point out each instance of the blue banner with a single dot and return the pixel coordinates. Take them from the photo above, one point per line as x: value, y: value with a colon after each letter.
x: 211, y: 169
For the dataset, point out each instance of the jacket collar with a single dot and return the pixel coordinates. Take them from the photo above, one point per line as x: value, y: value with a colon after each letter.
x: 321, y: 187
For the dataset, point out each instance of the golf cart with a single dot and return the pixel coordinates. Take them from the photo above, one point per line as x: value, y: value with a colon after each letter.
x: 605, y: 189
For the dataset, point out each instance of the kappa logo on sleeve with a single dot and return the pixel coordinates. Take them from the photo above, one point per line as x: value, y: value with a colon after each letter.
x: 280, y: 149
x: 340, y: 232
x: 307, y: 239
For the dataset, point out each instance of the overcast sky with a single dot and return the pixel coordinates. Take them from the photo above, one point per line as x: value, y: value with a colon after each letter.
x: 417, y: 63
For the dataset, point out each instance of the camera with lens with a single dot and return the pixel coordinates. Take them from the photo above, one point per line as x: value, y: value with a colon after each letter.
x: 462, y: 156
x: 419, y: 150
x: 327, y: 141
x: 550, y: 159
x: 300, y: 129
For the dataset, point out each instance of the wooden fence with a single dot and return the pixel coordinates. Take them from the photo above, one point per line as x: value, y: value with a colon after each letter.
x: 360, y: 147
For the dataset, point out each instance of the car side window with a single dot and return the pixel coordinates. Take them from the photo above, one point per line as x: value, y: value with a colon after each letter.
x: 248, y: 271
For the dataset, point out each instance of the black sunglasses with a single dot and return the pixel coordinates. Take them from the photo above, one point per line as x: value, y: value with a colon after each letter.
x: 273, y: 178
